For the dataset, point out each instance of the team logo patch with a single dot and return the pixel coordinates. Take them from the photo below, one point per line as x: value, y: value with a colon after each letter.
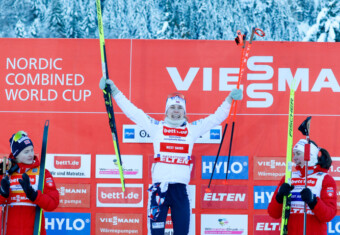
x: 27, y: 141
x: 330, y: 191
x: 49, y: 181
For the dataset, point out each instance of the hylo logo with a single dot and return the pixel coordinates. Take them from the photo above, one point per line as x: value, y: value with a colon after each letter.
x: 129, y: 133
x: 215, y: 134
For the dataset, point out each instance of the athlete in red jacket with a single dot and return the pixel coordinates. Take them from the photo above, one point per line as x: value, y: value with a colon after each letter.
x: 19, y: 188
x: 320, y: 194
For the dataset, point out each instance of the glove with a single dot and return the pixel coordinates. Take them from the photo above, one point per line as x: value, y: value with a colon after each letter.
x: 284, y: 190
x: 25, y: 183
x: 4, y: 188
x: 14, y: 168
x: 308, y: 197
x: 235, y: 94
x: 113, y: 88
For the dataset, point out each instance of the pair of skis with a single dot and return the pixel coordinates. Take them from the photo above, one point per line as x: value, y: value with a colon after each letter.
x: 288, y: 176
x: 304, y: 128
x: 240, y: 41
x: 38, y: 210
x: 107, y: 96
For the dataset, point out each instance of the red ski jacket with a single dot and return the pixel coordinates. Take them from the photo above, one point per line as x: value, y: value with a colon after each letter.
x: 324, y: 210
x: 21, y: 211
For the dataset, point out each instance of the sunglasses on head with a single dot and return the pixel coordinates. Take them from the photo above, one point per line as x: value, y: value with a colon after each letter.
x: 173, y: 95
x: 18, y: 135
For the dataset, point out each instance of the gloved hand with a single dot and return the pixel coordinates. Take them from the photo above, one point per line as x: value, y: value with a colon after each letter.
x: 104, y: 81
x: 4, y: 188
x: 25, y: 183
x: 284, y: 190
x: 308, y: 197
x: 235, y: 94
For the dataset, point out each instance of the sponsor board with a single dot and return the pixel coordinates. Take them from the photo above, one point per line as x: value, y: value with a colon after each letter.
x: 338, y: 195
x: 67, y: 223
x: 114, y: 223
x: 262, y: 196
x: 132, y: 166
x: 192, y: 195
x: 225, y: 196
x: 333, y: 227
x: 334, y: 170
x: 136, y: 134
x: 238, y: 167
x: 269, y: 168
x: 111, y: 195
x: 266, y: 225
x: 74, y: 195
x: 224, y: 224
x: 69, y: 165
x: 192, y: 166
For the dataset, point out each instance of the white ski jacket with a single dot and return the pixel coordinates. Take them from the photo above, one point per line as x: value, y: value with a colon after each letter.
x: 172, y: 146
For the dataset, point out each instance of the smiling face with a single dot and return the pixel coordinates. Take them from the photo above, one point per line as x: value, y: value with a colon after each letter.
x: 299, y: 158
x: 175, y: 112
x: 26, y: 156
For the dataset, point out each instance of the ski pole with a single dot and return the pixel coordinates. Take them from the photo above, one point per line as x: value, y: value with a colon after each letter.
x: 107, y: 96
x: 244, y: 60
x: 304, y: 128
x: 240, y: 40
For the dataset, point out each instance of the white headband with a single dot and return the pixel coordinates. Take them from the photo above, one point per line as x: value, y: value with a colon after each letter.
x: 314, y: 151
x: 175, y: 100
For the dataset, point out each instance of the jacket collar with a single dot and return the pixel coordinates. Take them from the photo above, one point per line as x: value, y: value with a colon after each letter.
x: 25, y: 167
x: 311, y: 170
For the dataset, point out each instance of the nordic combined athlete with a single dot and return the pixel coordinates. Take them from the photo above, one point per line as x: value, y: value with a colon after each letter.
x: 19, y: 188
x: 320, y: 194
x: 173, y: 140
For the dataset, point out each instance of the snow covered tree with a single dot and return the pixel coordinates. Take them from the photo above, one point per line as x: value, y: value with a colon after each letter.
x: 20, y: 30
x: 285, y: 20
x: 55, y: 19
x: 327, y: 27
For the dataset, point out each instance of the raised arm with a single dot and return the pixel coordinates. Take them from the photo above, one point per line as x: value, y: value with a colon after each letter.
x: 130, y: 110
x: 220, y: 114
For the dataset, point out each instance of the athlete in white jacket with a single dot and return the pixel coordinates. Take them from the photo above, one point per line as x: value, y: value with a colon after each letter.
x: 173, y: 140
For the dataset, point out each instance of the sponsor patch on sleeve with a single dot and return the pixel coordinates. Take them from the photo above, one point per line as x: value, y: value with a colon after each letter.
x: 330, y: 191
x: 49, y: 181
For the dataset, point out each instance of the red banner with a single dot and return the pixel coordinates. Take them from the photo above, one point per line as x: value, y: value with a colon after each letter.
x: 57, y: 80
